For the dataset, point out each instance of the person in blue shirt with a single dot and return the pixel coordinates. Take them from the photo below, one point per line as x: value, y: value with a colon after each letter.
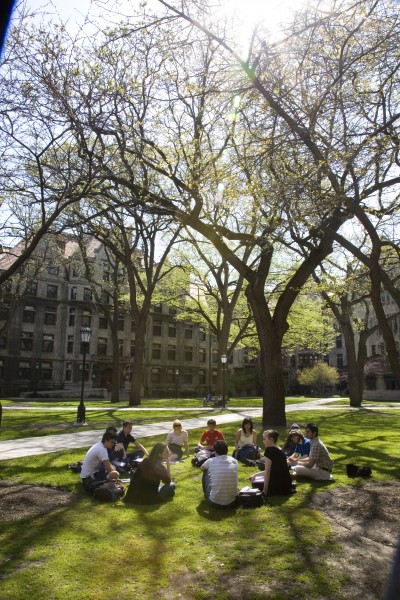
x: 301, y: 449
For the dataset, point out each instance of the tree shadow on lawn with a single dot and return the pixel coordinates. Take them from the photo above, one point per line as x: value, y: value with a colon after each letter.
x: 205, y: 510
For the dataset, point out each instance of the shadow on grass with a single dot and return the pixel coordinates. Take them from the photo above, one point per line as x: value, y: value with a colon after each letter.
x: 205, y: 510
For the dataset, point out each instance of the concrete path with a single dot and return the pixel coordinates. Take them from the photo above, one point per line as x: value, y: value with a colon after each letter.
x: 83, y: 439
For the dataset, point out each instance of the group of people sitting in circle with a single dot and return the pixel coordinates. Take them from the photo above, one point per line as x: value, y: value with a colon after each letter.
x: 151, y: 481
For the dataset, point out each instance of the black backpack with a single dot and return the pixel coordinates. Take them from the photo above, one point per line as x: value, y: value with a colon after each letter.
x: 250, y: 497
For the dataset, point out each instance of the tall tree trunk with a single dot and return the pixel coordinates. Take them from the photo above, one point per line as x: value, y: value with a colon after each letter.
x: 272, y: 374
x: 355, y: 363
x: 115, y: 379
x: 138, y: 365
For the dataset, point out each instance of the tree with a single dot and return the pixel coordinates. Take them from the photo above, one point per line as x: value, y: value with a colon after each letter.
x: 320, y: 376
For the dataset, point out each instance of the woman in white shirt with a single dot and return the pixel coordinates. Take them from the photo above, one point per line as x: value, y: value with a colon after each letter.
x: 177, y: 439
x: 246, y: 441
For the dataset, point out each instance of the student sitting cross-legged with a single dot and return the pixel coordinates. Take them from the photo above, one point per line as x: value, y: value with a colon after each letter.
x: 145, y: 486
x: 220, y: 477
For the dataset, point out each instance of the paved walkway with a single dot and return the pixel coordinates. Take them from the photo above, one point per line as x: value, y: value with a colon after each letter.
x: 82, y: 439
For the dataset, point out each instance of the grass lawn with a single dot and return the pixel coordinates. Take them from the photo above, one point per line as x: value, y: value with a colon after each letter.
x: 184, y: 549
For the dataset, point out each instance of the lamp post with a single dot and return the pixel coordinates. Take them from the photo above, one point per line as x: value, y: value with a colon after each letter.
x: 224, y: 360
x: 86, y: 333
x: 176, y: 383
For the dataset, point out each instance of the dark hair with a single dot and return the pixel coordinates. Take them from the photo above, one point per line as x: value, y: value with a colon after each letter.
x: 298, y: 433
x: 271, y: 433
x: 112, y: 428
x: 211, y: 422
x: 312, y: 427
x: 244, y: 422
x: 220, y: 447
x: 108, y: 435
x: 125, y: 423
x: 156, y: 451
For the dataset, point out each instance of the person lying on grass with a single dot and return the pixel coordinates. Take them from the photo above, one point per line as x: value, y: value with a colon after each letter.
x: 277, y: 479
x: 96, y: 464
x: 176, y: 440
x: 145, y: 486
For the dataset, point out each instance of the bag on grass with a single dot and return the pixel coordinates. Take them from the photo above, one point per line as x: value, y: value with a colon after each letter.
x: 110, y: 491
x: 250, y: 497
x: 247, y: 453
x: 122, y: 466
x: 76, y: 467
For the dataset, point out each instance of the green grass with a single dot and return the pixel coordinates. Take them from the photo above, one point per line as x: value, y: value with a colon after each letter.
x: 185, y: 549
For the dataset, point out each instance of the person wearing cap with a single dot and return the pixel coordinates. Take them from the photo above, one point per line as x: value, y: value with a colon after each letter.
x: 125, y: 438
x: 289, y: 445
x: 318, y: 465
x: 302, y: 447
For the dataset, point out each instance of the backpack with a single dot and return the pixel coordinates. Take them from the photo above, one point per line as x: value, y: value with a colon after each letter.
x: 250, y: 497
x: 110, y: 491
x: 76, y: 467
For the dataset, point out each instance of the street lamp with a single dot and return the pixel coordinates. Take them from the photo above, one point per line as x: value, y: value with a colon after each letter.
x: 86, y: 333
x: 176, y: 382
x: 224, y: 360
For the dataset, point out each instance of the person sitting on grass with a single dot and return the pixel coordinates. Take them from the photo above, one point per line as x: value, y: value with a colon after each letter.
x: 277, y: 479
x: 220, y: 477
x: 145, y: 486
x: 96, y: 464
x: 289, y: 444
x: 176, y: 439
x: 246, y: 441
x: 318, y: 465
x: 125, y: 438
x: 204, y: 449
x: 302, y: 447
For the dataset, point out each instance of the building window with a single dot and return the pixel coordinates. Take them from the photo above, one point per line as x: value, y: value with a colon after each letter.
x: 47, y: 371
x: 4, y: 311
x: 391, y: 383
x: 202, y: 355
x: 86, y: 318
x: 50, y: 313
x: 48, y: 342
x: 188, y: 354
x: 73, y: 293
x: 171, y: 376
x: 70, y: 344
x: 24, y: 370
x: 306, y: 360
x: 68, y: 371
x: 373, y: 349
x: 105, y: 297
x: 172, y: 330
x: 188, y: 332
x: 103, y: 323
x: 86, y: 371
x: 71, y: 318
x: 52, y: 291
x: 106, y: 272
x: 121, y: 347
x: 172, y: 311
x: 53, y: 270
x: 133, y: 349
x: 339, y: 343
x: 26, y: 341
x: 102, y: 347
x: 1, y: 368
x: 28, y: 315
x: 187, y: 377
x: 215, y: 356
x: 202, y: 377
x: 370, y: 382
x: 31, y: 288
x: 3, y: 342
x: 157, y: 308
x: 155, y: 375
x: 202, y: 334
x: 339, y: 360
x: 121, y: 322
x: 156, y: 352
x: 87, y: 294
x: 157, y: 328
x: 171, y: 352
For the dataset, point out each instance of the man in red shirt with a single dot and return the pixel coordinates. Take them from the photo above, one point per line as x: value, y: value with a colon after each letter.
x: 210, y: 436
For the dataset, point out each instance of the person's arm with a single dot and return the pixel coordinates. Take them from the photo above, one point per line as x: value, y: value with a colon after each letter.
x: 169, y: 436
x: 205, y: 465
x: 237, y: 439
x: 142, y: 448
x: 202, y: 439
x: 267, y: 475
x: 111, y: 471
x: 254, y: 437
x: 307, y: 462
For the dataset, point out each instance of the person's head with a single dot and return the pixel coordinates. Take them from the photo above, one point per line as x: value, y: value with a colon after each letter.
x: 109, y: 439
x: 311, y: 430
x: 247, y: 425
x: 294, y: 427
x: 159, y: 451
x: 297, y: 436
x: 112, y: 428
x: 127, y: 427
x: 177, y: 425
x: 211, y: 424
x: 270, y: 437
x: 220, y: 447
